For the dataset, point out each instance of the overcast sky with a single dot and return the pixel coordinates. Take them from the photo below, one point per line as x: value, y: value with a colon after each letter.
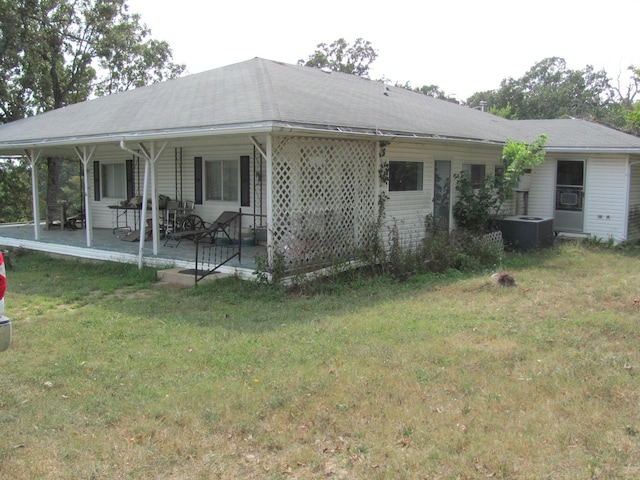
x: 461, y: 46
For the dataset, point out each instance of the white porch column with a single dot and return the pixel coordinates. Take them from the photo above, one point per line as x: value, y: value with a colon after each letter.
x: 151, y: 156
x: 85, y: 158
x: 269, y: 158
x: 33, y: 156
x: 143, y: 216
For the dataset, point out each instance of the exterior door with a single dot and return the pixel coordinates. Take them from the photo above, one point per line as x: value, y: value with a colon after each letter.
x: 442, y: 194
x: 569, y: 206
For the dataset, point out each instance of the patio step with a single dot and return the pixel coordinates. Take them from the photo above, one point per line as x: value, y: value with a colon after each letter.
x: 184, y: 277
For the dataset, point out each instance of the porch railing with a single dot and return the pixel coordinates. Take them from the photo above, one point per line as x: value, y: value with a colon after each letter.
x: 216, y: 247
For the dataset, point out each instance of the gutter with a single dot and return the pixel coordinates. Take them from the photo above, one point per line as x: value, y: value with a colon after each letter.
x: 616, y: 150
x: 264, y: 127
x: 250, y: 128
x: 283, y: 127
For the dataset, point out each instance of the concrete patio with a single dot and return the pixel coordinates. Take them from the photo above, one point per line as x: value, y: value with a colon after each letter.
x: 108, y: 246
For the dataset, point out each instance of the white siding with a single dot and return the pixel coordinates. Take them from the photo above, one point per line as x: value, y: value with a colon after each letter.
x: 605, y: 194
x: 634, y: 203
x: 606, y: 198
x: 542, y: 194
x: 606, y: 186
x: 408, y: 210
x: 232, y: 149
x: 103, y: 217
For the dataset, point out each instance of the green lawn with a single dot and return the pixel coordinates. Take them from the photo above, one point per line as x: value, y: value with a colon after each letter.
x: 439, y: 377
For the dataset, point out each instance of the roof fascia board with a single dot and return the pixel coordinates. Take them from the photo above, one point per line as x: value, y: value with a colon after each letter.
x: 615, y: 150
x: 344, y: 132
x: 265, y: 127
x: 281, y: 127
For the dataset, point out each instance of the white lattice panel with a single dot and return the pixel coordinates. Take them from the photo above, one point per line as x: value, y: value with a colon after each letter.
x: 492, y: 240
x: 324, y: 197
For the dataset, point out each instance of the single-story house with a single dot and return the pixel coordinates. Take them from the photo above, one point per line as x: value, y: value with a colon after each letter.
x: 299, y: 150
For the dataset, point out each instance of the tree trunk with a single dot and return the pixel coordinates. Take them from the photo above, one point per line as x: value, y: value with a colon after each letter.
x: 53, y: 167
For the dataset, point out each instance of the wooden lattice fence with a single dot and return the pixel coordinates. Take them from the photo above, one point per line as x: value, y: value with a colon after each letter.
x: 323, y: 198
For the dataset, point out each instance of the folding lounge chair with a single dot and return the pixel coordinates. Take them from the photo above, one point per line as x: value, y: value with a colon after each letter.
x: 194, y: 228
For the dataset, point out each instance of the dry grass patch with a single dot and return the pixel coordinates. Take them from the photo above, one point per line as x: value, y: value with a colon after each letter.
x: 451, y: 377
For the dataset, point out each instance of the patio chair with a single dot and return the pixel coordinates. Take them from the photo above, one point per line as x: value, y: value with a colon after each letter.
x: 171, y: 223
x: 194, y: 228
x: 187, y: 208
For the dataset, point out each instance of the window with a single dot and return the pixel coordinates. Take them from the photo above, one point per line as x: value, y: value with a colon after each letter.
x: 476, y: 173
x: 114, y: 180
x: 570, y: 172
x: 405, y: 176
x: 222, y: 180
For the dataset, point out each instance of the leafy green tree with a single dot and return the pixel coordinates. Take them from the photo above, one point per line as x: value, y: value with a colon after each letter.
x: 430, y: 90
x: 15, y: 190
x: 629, y: 109
x: 551, y: 90
x: 504, y: 112
x: 58, y: 52
x: 632, y: 118
x: 517, y: 159
x: 478, y: 205
x: 339, y: 56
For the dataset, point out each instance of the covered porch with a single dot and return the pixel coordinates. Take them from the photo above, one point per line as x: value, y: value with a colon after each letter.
x: 107, y: 246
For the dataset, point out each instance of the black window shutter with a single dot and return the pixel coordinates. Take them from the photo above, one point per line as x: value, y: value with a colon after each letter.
x: 245, y: 182
x: 130, y: 183
x: 197, y: 175
x: 96, y: 181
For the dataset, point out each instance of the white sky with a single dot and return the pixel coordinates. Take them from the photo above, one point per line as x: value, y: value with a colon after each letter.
x: 463, y: 46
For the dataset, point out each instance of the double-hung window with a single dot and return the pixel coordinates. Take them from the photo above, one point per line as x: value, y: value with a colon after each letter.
x: 476, y: 174
x: 222, y: 180
x: 405, y: 176
x: 114, y: 180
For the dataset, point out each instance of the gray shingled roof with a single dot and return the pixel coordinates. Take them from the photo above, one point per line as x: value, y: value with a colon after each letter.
x: 573, y: 134
x: 262, y: 95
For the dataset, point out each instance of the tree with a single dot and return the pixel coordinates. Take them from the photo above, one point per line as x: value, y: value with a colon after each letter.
x: 632, y: 118
x: 15, y: 190
x: 430, y: 90
x: 551, y: 90
x: 339, y: 56
x: 57, y: 52
x: 478, y: 205
x: 627, y: 111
